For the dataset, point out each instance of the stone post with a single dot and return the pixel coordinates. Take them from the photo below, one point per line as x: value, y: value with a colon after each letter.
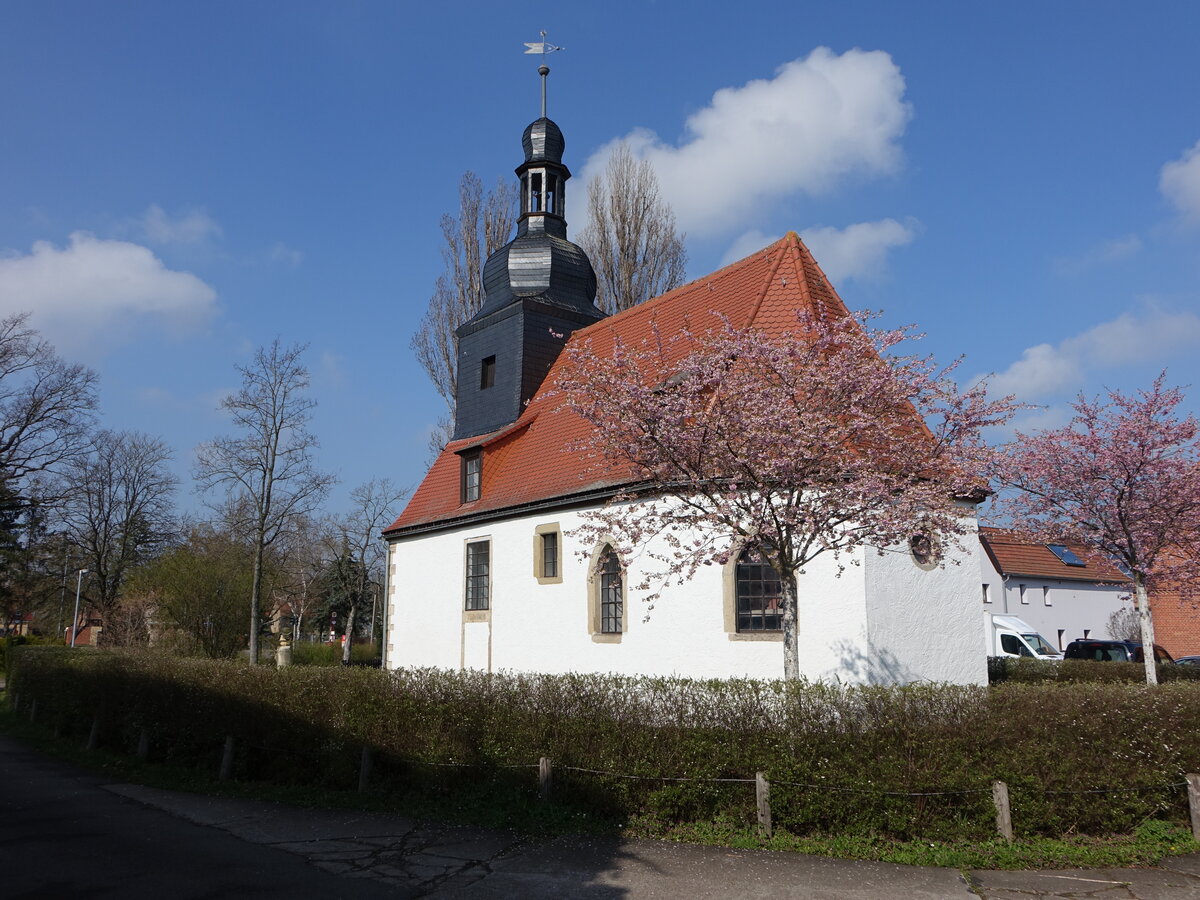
x: 283, y: 655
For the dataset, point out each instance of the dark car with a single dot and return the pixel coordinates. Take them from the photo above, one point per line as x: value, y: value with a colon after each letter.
x: 1188, y: 661
x: 1112, y: 651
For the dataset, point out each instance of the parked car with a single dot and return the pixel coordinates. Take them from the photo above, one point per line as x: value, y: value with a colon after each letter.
x: 1188, y: 661
x: 1112, y: 651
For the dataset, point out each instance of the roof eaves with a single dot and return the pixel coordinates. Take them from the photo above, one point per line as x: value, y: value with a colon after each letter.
x: 562, y: 501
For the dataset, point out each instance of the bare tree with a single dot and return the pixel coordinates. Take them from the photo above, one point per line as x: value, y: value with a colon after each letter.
x: 359, y: 532
x: 46, y: 404
x: 630, y: 235
x: 484, y: 224
x: 117, y: 510
x: 302, y: 553
x: 267, y: 468
x: 1124, y: 624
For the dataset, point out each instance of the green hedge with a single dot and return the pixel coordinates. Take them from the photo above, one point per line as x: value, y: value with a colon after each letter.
x: 1079, y: 671
x: 313, y: 654
x: 837, y: 757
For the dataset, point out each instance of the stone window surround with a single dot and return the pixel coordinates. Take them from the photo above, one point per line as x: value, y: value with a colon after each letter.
x: 485, y: 614
x: 593, y: 589
x: 539, y: 556
x: 729, y: 602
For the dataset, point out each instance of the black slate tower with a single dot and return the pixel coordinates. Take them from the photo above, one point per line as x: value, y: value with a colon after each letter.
x: 538, y: 288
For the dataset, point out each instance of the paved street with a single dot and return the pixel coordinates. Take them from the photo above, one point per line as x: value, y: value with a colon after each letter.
x: 66, y: 833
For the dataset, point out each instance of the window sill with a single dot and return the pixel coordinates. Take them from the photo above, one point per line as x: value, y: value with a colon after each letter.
x: 776, y: 636
x: 477, y: 615
x: 599, y: 638
x: 541, y: 580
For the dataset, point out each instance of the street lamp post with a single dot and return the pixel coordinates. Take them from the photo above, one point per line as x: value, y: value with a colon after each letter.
x: 75, y: 621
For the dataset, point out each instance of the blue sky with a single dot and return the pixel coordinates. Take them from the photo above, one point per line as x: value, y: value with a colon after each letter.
x: 183, y: 182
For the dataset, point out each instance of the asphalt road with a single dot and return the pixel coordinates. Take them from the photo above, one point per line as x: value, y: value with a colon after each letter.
x: 63, y: 836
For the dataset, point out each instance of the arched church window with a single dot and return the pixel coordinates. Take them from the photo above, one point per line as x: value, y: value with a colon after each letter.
x: 759, y: 593
x: 612, y: 603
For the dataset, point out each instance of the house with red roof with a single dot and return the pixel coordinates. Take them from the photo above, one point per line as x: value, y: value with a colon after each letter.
x: 1059, y: 589
x: 485, y: 570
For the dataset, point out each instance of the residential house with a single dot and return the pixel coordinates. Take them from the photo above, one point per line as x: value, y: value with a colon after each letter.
x: 1056, y: 588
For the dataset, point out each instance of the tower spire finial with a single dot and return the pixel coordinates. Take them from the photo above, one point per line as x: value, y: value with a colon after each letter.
x: 543, y: 47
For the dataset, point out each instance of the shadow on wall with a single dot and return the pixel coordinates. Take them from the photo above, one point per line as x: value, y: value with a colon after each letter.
x: 876, y: 667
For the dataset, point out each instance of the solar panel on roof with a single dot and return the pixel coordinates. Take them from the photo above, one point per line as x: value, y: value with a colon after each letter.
x: 1064, y: 553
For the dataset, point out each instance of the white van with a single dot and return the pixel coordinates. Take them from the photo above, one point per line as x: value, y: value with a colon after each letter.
x: 1010, y: 636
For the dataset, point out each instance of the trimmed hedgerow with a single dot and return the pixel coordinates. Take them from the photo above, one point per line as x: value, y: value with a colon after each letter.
x: 1031, y: 671
x: 901, y: 762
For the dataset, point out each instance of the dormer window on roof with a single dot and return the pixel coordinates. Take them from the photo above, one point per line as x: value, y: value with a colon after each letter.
x: 471, y: 482
x: 1066, y: 554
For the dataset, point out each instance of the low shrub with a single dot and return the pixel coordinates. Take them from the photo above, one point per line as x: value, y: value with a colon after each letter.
x: 313, y: 654
x: 899, y: 763
x: 10, y: 643
x: 1081, y: 671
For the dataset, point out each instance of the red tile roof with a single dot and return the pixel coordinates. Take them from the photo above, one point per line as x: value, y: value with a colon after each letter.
x: 528, y: 462
x: 1013, y: 553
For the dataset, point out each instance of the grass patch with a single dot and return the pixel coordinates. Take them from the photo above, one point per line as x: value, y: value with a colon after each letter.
x: 1152, y: 842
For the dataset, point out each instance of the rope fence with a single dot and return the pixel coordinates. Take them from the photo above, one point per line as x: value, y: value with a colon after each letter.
x: 545, y: 769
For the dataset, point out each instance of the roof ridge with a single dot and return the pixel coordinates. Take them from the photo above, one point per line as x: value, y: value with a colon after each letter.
x: 770, y: 279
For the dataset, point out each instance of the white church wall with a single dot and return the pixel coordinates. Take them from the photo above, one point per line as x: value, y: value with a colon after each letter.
x: 545, y: 627
x: 924, y: 620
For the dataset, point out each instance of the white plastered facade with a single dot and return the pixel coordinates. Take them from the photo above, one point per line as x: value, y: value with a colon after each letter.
x: 1060, y: 609
x: 884, y: 619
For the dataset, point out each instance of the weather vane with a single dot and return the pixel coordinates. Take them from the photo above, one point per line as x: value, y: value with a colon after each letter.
x: 543, y: 47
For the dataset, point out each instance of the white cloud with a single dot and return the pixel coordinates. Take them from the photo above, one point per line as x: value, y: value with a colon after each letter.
x: 857, y: 251
x: 1047, y: 369
x: 1179, y: 182
x: 750, y: 242
x: 190, y: 227
x: 1101, y: 254
x: 329, y: 369
x: 282, y: 253
x: 97, y: 291
x: 820, y: 120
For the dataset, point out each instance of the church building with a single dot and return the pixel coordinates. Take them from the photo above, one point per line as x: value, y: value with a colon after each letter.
x: 485, y: 572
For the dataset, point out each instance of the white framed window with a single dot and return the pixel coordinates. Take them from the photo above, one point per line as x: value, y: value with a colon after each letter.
x: 987, y: 593
x: 1046, y: 597
x: 1024, y: 591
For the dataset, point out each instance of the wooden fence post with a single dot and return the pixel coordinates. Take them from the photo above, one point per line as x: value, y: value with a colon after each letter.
x: 762, y: 794
x: 143, y: 748
x: 227, y: 759
x: 94, y: 736
x: 1194, y: 803
x: 545, y: 778
x: 365, y: 762
x: 1003, y: 810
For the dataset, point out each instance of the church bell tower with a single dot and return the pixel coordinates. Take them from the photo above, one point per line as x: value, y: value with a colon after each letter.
x: 538, y: 288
